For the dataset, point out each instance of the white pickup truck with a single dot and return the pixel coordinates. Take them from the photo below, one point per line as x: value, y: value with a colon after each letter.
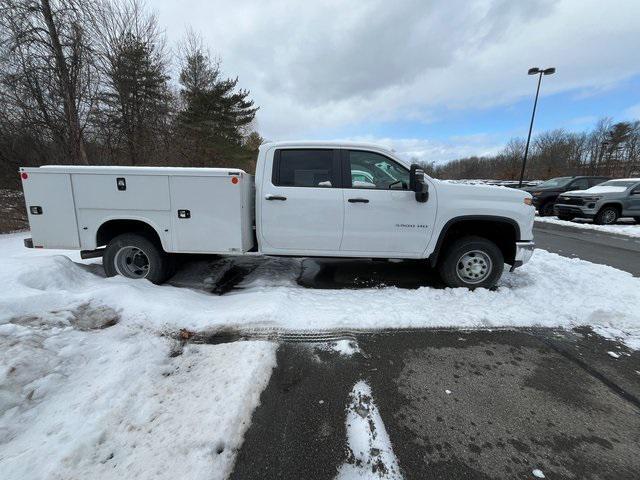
x: 308, y: 199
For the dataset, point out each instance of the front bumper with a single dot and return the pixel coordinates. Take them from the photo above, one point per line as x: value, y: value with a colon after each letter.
x: 524, y: 251
x: 573, y: 211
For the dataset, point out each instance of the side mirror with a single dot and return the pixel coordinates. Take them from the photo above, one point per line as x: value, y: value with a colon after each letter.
x: 418, y: 184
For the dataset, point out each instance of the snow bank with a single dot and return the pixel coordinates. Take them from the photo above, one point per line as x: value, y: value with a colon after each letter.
x: 550, y: 291
x: 89, y: 389
x: 115, y: 404
x: 628, y: 228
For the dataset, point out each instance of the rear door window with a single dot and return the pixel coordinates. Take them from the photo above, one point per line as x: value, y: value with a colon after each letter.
x: 311, y: 168
x: 580, y: 184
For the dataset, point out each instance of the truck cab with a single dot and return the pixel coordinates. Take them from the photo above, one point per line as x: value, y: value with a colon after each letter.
x: 308, y: 199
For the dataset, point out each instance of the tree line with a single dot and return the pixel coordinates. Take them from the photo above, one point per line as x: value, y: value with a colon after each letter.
x: 609, y: 149
x: 89, y: 82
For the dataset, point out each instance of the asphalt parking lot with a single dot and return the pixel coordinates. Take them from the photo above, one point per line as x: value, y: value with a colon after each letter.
x: 470, y: 404
x: 619, y: 251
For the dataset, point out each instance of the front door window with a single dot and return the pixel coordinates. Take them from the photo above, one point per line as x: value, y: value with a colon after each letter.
x: 375, y: 171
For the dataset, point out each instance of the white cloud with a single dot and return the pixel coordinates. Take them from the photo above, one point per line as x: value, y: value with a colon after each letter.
x: 633, y: 112
x: 314, y: 67
x: 426, y: 150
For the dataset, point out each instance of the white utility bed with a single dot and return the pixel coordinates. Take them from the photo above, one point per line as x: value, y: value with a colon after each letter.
x: 193, y: 210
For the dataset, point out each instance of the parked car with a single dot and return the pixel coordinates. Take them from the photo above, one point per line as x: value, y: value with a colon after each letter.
x: 308, y: 199
x: 604, y: 203
x: 546, y: 193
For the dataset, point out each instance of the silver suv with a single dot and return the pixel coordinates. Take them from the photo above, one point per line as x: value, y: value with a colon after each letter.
x: 604, y: 203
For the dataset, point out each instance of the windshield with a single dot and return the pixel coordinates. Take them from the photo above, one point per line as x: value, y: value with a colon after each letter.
x: 618, y: 183
x: 555, y: 182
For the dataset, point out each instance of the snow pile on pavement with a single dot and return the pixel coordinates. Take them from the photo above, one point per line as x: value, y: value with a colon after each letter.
x: 550, y: 291
x: 623, y: 227
x: 370, y: 453
x: 345, y: 347
x: 114, y: 404
x: 90, y: 390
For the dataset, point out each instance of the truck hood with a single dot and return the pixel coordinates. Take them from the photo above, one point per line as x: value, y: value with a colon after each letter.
x: 597, y: 190
x: 484, y: 191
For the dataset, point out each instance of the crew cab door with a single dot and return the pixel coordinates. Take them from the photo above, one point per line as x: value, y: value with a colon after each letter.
x: 301, y: 207
x: 382, y: 216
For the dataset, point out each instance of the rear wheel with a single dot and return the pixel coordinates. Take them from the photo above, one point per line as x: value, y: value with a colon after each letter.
x: 135, y: 256
x: 606, y: 216
x: 471, y: 262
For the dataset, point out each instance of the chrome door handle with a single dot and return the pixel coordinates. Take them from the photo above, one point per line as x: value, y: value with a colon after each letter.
x: 275, y: 197
x: 358, y: 200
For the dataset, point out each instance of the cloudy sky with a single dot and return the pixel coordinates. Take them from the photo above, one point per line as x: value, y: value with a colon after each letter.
x: 434, y: 79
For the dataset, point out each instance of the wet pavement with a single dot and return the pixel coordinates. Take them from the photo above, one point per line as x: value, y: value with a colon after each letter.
x: 456, y: 404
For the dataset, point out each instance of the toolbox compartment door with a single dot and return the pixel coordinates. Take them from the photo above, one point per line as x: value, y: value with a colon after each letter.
x: 52, y: 215
x: 207, y: 213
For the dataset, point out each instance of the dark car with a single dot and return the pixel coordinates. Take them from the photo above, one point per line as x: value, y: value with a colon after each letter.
x: 546, y: 193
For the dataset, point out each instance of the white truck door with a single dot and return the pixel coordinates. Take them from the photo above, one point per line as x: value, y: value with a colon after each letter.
x: 301, y: 206
x: 382, y: 216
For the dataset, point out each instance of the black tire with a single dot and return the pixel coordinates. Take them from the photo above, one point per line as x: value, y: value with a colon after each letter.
x: 637, y: 219
x: 546, y: 210
x: 116, y: 261
x: 608, y: 215
x: 454, y: 256
x: 565, y: 217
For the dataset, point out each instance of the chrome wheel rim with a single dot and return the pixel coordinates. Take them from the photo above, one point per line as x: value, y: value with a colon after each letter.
x: 132, y: 262
x: 474, y: 266
x: 609, y: 216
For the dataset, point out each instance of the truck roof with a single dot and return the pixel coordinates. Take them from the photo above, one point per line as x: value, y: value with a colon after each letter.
x: 113, y: 169
x: 326, y: 144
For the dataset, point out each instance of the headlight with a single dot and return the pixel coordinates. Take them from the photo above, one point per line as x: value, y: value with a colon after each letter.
x: 535, y: 194
x: 528, y: 201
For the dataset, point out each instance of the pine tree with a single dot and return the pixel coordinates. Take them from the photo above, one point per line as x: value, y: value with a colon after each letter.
x: 213, y: 110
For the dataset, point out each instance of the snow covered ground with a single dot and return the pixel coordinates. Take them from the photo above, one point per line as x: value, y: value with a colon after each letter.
x: 549, y: 291
x: 624, y: 226
x: 91, y: 391
x: 91, y: 387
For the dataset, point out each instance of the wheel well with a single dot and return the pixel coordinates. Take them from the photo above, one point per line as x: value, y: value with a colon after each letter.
x: 617, y: 206
x: 112, y: 228
x: 501, y: 232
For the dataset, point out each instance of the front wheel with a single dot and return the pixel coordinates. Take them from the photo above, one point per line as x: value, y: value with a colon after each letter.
x: 471, y: 262
x: 134, y: 256
x: 606, y: 216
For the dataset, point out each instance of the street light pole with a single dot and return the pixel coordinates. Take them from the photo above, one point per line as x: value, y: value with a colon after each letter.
x: 540, y: 72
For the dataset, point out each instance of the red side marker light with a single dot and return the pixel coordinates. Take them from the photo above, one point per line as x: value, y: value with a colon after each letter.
x: 234, y: 180
x: 24, y: 175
